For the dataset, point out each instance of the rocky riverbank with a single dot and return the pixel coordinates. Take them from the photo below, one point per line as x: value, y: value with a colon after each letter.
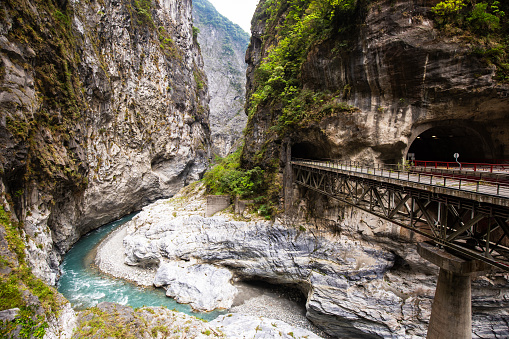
x: 253, y: 306
x: 354, y: 285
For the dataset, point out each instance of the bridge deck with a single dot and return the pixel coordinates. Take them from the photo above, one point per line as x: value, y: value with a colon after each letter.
x: 484, y: 190
x: 466, y: 214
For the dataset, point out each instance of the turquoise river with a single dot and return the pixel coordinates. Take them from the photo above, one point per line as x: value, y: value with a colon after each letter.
x: 84, y: 286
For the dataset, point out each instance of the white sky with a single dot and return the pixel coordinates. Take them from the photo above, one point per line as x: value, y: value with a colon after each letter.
x: 238, y: 11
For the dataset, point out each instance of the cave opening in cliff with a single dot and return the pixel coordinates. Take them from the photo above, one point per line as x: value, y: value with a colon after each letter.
x: 307, y: 150
x: 441, y: 143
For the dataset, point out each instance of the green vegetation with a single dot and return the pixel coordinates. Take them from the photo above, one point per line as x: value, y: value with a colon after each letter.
x: 57, y: 83
x: 144, y: 11
x: 105, y: 325
x: 196, y: 31
x: 208, y: 15
x: 483, y: 25
x: 20, y: 280
x: 198, y: 78
x: 278, y: 78
x: 227, y: 177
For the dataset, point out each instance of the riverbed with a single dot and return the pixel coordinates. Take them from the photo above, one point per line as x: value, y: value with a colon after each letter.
x: 84, y: 286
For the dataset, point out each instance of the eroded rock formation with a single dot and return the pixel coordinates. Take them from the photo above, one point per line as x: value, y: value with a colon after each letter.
x: 362, y: 279
x: 223, y: 46
x: 402, y: 74
x: 104, y: 109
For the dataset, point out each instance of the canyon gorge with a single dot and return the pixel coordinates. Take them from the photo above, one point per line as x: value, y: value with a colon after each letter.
x: 111, y: 107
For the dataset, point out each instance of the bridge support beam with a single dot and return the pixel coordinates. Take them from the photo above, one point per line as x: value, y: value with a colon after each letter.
x: 451, y: 312
x: 288, y: 176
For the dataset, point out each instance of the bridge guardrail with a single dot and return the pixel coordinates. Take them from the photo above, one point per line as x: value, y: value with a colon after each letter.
x: 496, y: 185
x: 475, y: 167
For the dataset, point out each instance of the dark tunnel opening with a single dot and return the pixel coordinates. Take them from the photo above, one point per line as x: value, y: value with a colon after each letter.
x: 441, y: 143
x: 307, y: 150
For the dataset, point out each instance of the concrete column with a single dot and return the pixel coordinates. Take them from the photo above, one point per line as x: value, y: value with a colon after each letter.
x: 451, y: 312
x: 288, y: 177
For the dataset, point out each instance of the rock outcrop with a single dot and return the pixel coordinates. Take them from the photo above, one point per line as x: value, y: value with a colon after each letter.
x: 243, y: 326
x: 104, y: 108
x: 360, y: 279
x: 110, y: 319
x: 224, y: 45
x: 377, y: 81
x: 204, y: 287
x: 401, y: 75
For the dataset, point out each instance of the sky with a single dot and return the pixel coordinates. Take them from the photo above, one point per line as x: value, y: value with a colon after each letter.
x: 238, y: 11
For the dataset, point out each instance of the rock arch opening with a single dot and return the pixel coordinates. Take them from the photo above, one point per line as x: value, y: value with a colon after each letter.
x: 440, y: 143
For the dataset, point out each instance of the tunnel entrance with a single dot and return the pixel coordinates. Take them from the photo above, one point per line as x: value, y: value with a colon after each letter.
x: 307, y: 150
x: 440, y: 144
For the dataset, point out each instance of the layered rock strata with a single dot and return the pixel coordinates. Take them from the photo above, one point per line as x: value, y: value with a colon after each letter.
x: 204, y: 287
x: 360, y: 279
x: 104, y: 109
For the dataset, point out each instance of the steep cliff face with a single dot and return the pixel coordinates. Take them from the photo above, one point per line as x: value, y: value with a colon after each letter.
x: 104, y: 109
x: 374, y: 76
x: 224, y: 47
x: 373, y: 81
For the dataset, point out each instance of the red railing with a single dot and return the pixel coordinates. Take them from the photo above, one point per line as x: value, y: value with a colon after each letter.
x: 465, y: 166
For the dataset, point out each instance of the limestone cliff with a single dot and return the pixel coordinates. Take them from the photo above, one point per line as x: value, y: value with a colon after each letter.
x: 366, y: 78
x: 104, y: 108
x: 373, y: 81
x: 224, y: 47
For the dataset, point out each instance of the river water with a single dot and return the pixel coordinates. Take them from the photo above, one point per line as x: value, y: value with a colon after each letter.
x: 84, y: 286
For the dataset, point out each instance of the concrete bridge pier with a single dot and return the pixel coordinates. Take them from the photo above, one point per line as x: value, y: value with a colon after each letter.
x: 451, y: 312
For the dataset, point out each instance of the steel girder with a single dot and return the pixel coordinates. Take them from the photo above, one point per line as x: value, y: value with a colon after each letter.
x: 468, y: 228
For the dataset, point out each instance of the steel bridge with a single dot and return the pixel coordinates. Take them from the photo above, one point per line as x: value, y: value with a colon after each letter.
x: 464, y: 213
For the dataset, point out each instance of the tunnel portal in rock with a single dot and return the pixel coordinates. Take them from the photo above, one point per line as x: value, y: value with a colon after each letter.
x: 442, y: 142
x: 308, y: 150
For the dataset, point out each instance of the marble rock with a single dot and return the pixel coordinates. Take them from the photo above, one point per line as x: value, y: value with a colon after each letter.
x: 204, y: 287
x: 236, y: 325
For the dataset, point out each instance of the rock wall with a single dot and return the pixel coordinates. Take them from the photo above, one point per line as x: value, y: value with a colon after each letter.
x: 397, y: 75
x: 400, y: 73
x: 224, y: 47
x: 104, y: 109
